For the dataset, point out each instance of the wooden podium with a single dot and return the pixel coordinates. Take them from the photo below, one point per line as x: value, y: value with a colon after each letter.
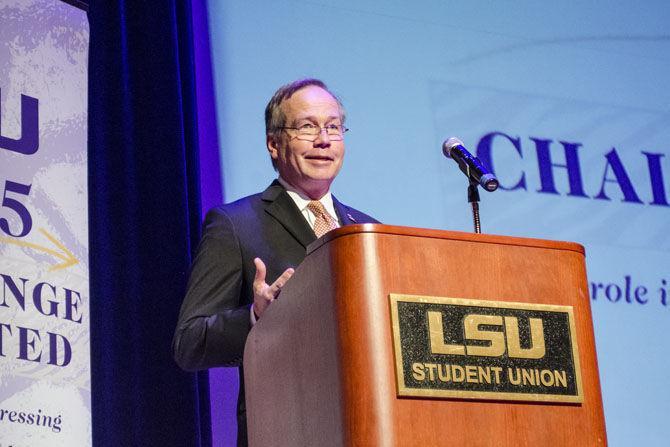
x: 321, y: 365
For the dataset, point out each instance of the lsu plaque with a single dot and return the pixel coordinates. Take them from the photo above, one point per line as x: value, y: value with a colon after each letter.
x: 490, y: 350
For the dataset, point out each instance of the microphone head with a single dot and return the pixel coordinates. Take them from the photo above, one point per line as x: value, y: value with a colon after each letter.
x: 489, y: 182
x: 449, y: 144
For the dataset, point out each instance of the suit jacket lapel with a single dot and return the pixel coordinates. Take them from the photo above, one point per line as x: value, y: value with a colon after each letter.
x: 343, y: 213
x: 280, y: 206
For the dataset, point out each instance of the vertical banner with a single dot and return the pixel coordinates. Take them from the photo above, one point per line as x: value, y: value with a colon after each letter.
x: 45, y: 393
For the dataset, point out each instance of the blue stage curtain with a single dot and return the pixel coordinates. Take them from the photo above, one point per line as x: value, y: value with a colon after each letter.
x: 144, y: 222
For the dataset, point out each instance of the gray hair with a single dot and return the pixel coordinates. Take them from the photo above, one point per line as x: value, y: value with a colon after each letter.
x: 275, y: 118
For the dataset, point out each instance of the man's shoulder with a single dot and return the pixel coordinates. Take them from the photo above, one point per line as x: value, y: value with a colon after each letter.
x: 248, y: 206
x: 352, y: 214
x: 245, y: 206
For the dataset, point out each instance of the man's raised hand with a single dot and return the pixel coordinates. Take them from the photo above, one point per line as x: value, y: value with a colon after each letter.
x: 264, y: 294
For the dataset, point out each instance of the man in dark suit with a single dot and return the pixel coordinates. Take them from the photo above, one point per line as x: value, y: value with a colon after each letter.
x: 250, y: 247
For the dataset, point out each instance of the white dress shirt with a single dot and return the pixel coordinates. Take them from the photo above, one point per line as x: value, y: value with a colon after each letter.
x: 302, y: 202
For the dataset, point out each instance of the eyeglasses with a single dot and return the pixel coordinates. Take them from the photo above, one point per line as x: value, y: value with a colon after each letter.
x: 310, y: 132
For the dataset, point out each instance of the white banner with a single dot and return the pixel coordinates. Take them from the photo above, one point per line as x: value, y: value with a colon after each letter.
x: 45, y: 392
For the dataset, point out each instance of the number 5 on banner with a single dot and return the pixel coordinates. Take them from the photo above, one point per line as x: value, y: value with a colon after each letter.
x: 16, y: 206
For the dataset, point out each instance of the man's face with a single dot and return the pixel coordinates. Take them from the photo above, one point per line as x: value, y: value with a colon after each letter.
x: 309, y: 166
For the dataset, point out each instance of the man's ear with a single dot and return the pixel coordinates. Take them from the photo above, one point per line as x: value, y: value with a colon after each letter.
x: 273, y: 146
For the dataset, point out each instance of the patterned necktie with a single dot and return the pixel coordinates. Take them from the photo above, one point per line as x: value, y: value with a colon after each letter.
x: 324, y: 222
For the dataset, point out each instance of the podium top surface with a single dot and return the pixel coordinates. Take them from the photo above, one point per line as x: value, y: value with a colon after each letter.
x: 443, y: 234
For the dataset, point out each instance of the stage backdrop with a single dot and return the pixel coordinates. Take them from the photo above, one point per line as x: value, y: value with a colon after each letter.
x: 567, y: 101
x: 45, y: 397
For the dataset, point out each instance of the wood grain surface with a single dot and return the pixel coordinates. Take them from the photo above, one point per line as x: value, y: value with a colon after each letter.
x: 319, y: 366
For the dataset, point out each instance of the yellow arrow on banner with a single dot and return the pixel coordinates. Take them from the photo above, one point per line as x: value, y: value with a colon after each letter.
x: 63, y: 253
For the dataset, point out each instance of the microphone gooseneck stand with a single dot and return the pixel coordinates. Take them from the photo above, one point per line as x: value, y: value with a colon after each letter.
x: 473, y: 198
x: 474, y: 170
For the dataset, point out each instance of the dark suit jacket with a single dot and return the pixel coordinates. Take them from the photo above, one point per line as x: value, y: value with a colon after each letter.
x: 214, y: 318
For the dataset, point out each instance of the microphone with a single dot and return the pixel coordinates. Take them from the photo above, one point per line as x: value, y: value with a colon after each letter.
x: 471, y: 166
